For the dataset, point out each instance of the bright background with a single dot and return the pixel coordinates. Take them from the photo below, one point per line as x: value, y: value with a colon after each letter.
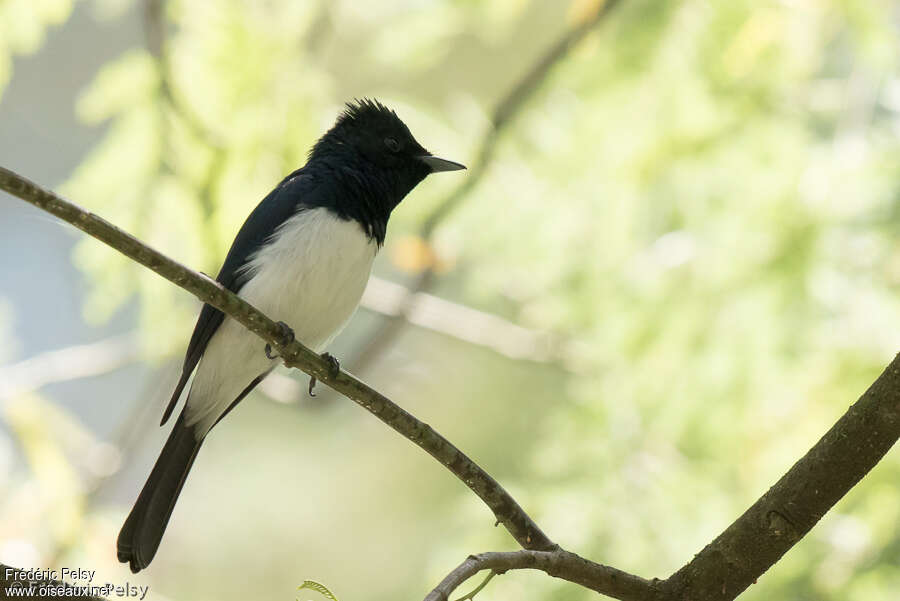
x: 695, y: 216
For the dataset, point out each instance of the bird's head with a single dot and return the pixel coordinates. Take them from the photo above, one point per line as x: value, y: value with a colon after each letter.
x: 371, y: 136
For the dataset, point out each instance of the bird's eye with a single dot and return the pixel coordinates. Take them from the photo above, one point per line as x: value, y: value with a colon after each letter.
x: 392, y: 144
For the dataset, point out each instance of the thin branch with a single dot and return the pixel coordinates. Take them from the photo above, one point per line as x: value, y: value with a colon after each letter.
x: 505, y: 508
x: 558, y: 563
x: 466, y: 323
x: 508, y: 107
x: 470, y: 596
x: 381, y: 296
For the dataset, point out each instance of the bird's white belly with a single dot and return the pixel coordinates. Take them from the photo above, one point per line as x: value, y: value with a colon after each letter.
x: 311, y: 275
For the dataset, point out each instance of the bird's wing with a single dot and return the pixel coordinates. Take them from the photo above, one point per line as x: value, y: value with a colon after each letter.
x: 276, y: 208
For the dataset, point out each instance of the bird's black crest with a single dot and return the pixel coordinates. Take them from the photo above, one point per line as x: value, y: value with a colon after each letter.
x: 363, y: 122
x: 366, y: 112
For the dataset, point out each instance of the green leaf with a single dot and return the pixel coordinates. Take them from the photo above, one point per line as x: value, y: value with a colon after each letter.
x: 320, y: 588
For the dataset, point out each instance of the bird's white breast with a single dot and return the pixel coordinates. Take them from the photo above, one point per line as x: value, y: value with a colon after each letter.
x: 311, y: 275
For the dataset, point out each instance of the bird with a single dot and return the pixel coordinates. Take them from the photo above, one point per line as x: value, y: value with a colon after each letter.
x: 303, y: 257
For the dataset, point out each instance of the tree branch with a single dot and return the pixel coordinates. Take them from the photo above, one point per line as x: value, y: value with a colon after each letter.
x: 782, y: 516
x: 506, y: 510
x: 381, y: 296
x: 757, y: 539
x: 558, y: 563
x: 724, y: 569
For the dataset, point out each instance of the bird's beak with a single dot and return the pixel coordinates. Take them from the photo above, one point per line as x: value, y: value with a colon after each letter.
x: 438, y: 164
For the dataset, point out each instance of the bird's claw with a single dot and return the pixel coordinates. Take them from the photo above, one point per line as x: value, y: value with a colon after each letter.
x: 334, y: 368
x: 286, y: 336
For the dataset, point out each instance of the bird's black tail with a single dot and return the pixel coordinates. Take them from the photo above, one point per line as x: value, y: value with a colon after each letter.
x: 144, y: 527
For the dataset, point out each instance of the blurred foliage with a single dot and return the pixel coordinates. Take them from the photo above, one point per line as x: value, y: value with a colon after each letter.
x: 703, y: 197
x: 64, y: 459
x: 23, y: 26
x: 706, y: 197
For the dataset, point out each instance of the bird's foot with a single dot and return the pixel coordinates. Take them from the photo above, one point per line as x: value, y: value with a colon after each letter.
x: 334, y: 368
x: 286, y: 336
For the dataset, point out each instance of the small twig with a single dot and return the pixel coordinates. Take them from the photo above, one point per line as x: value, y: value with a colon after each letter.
x: 471, y: 595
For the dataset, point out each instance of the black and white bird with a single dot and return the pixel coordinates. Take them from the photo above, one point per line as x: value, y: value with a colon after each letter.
x: 303, y: 257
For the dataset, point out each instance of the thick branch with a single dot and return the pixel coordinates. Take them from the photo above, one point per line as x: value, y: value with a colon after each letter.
x: 782, y: 516
x: 505, y: 508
